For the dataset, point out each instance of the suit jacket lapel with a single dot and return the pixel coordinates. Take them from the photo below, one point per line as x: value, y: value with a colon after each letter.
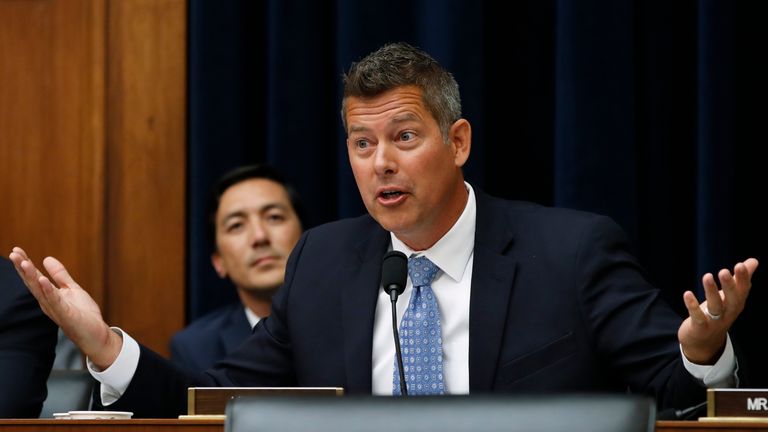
x: 360, y: 291
x: 492, y: 276
x: 236, y: 330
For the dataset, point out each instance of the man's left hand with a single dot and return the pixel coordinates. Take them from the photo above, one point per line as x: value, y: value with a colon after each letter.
x: 702, y: 335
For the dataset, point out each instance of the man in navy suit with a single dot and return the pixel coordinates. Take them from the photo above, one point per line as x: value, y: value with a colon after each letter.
x: 27, y: 348
x: 529, y: 299
x: 254, y: 221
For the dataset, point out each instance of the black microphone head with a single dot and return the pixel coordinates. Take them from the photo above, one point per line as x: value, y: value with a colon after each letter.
x: 394, y: 272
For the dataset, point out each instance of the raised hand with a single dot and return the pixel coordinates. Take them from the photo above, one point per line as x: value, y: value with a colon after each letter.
x: 702, y: 335
x: 69, y: 306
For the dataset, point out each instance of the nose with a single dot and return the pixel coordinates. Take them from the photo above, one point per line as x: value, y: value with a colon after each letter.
x: 385, y: 159
x: 259, y: 234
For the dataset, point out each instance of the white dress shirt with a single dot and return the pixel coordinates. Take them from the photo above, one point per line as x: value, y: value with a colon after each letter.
x: 452, y: 286
x: 252, y: 318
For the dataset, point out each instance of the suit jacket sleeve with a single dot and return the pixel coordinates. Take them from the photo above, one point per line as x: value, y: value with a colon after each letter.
x: 633, y: 329
x: 27, y: 348
x: 159, y: 388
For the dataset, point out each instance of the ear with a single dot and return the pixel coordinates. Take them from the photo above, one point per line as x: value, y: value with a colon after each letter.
x: 218, y: 265
x: 460, y: 135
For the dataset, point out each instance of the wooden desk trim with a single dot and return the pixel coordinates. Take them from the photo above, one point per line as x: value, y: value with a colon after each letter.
x: 697, y: 426
x: 133, y: 425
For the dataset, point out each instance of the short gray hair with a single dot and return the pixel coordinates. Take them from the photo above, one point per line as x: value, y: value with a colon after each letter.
x: 400, y: 64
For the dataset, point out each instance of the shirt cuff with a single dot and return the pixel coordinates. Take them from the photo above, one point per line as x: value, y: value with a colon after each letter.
x: 116, y: 378
x: 720, y: 375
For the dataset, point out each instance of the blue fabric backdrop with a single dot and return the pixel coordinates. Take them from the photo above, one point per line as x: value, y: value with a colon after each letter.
x: 651, y: 112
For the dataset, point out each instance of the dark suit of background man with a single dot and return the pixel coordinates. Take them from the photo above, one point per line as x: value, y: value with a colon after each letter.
x: 254, y: 221
x: 27, y: 347
x: 530, y: 299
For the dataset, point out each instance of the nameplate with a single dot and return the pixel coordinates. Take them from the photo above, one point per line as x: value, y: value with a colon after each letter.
x: 737, y: 403
x: 213, y: 400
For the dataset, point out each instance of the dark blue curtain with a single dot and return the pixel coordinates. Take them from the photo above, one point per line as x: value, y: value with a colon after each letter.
x: 651, y: 112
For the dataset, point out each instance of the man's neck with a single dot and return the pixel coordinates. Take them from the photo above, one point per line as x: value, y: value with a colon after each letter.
x: 258, y: 303
x: 424, y: 241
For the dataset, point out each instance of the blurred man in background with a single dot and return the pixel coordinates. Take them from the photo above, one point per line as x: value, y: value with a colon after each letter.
x: 254, y: 222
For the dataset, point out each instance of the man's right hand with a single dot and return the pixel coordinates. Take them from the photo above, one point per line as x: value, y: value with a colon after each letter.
x: 69, y: 306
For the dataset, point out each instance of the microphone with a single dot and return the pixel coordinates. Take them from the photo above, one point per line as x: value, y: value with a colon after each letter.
x: 683, y: 414
x: 394, y: 272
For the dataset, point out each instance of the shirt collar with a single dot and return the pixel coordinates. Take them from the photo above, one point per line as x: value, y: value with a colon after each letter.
x: 253, y: 319
x: 452, y: 252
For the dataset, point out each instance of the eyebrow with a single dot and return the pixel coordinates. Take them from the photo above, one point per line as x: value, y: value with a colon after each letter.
x: 400, y: 118
x: 358, y: 129
x: 405, y: 117
x: 241, y: 213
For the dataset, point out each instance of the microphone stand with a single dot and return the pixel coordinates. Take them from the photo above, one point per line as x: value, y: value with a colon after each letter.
x: 394, y: 274
x: 393, y: 298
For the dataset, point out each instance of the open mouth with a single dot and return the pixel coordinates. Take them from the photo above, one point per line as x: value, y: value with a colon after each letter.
x: 391, y: 197
x: 391, y: 194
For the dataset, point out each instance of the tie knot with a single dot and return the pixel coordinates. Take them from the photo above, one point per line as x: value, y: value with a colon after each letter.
x: 422, y: 271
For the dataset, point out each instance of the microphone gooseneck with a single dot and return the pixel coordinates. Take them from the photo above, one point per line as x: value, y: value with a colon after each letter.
x: 689, y: 413
x: 394, y: 273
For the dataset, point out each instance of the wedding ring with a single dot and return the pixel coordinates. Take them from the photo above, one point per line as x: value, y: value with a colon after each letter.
x: 713, y: 317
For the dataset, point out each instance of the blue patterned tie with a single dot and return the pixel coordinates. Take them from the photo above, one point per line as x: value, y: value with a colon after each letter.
x: 420, y: 336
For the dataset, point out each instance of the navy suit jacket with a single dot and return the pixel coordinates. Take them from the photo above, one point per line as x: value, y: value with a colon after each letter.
x: 558, y: 304
x: 210, y: 338
x: 27, y: 347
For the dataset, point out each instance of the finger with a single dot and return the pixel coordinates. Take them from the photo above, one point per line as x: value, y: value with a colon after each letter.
x: 743, y: 274
x: 20, y: 251
x: 728, y: 283
x: 31, y: 277
x: 28, y: 272
x: 17, y: 256
x: 16, y: 259
x: 751, y: 265
x: 49, y: 292
x: 694, y: 310
x: 58, y: 272
x: 712, y: 293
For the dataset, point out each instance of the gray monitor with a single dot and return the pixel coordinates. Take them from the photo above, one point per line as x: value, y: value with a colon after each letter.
x: 572, y: 413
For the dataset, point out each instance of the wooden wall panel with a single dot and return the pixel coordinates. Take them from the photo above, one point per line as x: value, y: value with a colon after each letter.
x: 52, y: 133
x: 146, y: 154
x: 92, y: 150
